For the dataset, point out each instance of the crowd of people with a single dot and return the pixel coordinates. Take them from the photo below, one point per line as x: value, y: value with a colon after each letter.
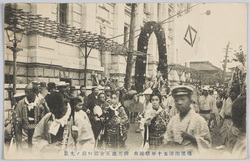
x: 52, y: 118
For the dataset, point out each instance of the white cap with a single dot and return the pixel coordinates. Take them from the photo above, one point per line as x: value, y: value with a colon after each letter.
x: 19, y: 94
x: 206, y: 88
x: 148, y: 91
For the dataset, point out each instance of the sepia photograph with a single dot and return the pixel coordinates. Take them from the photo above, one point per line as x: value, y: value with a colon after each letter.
x: 125, y: 81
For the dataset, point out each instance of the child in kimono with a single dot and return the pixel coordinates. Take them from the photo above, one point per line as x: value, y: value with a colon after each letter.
x: 116, y: 124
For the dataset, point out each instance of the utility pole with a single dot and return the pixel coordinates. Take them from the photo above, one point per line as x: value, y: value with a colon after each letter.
x: 131, y: 46
x: 225, y: 61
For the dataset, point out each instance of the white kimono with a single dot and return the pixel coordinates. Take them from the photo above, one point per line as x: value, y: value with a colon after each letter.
x: 84, y: 142
x: 192, y: 124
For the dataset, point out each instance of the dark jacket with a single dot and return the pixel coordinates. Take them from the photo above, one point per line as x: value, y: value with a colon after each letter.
x: 92, y: 101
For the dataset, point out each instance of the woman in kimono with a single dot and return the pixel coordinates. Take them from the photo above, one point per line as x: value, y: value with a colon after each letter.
x: 116, y: 124
x: 227, y: 130
x: 155, y: 123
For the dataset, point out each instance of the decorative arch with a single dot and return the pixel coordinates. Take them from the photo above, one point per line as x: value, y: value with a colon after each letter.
x: 140, y: 65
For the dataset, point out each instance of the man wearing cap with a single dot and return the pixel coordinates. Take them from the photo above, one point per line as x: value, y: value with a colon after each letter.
x: 208, y: 106
x: 186, y: 130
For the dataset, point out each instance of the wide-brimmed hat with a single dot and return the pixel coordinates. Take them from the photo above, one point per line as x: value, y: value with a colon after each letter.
x: 132, y: 92
x: 148, y: 91
x: 21, y: 94
x: 62, y: 84
x: 206, y: 88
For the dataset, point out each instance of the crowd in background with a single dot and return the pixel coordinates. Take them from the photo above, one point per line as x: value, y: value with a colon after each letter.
x: 50, y: 117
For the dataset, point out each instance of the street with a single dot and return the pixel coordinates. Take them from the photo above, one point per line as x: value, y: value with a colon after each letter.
x: 135, y: 139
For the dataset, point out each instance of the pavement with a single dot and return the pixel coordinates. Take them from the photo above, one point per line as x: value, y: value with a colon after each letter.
x: 134, y: 140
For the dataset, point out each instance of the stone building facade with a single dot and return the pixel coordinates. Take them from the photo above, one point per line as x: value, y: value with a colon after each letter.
x: 51, y: 60
x: 47, y: 59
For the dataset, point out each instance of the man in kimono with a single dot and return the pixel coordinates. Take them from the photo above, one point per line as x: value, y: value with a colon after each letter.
x: 208, y: 108
x: 29, y: 111
x: 186, y: 130
x: 68, y: 130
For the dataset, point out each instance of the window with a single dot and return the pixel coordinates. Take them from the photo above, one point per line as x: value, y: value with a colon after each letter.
x: 63, y: 9
x: 126, y: 35
x: 8, y: 79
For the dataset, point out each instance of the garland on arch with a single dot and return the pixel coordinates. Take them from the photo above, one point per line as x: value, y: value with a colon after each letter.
x: 140, y: 65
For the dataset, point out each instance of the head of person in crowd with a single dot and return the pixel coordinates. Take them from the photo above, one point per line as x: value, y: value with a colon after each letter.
x: 222, y: 94
x: 57, y: 105
x: 211, y: 91
x: 233, y: 94
x: 36, y: 85
x: 183, y: 98
x: 117, y: 91
x: 107, y: 91
x: 102, y: 83
x: 102, y: 97
x: 76, y: 104
x: 51, y: 87
x: 123, y: 90
x: 133, y: 95
x: 118, y: 94
x: 114, y: 99
x: 109, y: 101
x: 95, y: 91
x: 82, y: 90
x: 43, y: 89
x: 156, y: 99
x: 68, y: 88
x: 30, y: 92
x: 147, y: 93
x: 239, y: 113
x: 62, y: 87
x: 205, y: 91
x: 73, y: 91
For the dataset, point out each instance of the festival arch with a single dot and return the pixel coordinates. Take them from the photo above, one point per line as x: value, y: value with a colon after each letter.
x: 140, y: 65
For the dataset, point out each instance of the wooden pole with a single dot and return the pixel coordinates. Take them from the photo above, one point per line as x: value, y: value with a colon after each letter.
x: 85, y: 64
x: 131, y: 46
